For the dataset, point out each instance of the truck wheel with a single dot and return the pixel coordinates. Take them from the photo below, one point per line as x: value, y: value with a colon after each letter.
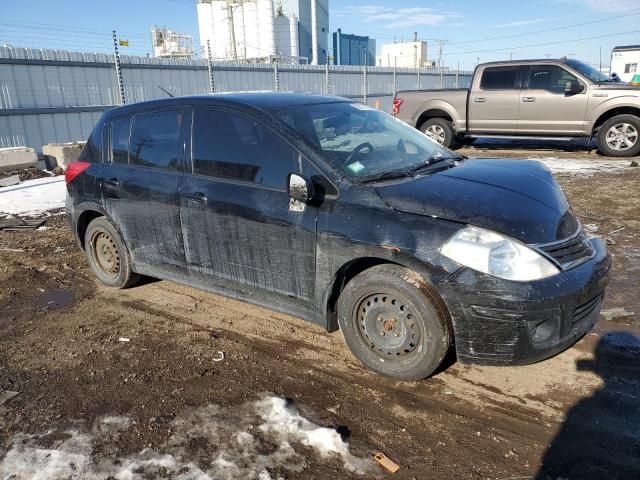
x: 620, y: 136
x: 394, y: 323
x: 440, y: 131
x: 107, y: 255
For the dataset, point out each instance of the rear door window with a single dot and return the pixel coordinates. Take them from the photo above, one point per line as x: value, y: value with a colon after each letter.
x: 120, y: 140
x: 231, y: 146
x: 499, y: 78
x: 157, y: 140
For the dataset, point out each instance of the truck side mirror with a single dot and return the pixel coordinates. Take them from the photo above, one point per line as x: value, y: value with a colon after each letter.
x: 573, y: 87
x: 300, y: 187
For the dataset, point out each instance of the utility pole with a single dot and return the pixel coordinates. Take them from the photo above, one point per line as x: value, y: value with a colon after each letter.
x: 212, y: 86
x: 440, y: 45
x: 327, y: 80
x: 123, y: 99
x: 232, y: 31
x: 314, y: 33
x: 395, y: 75
x: 276, y: 76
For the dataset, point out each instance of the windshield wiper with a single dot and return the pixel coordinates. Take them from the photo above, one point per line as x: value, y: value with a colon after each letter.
x: 411, y: 171
x: 434, y: 159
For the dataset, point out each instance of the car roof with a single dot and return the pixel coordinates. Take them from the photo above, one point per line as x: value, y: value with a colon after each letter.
x: 261, y: 100
x: 525, y: 62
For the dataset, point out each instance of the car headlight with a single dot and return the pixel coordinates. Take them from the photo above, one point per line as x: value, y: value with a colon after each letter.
x: 496, y: 254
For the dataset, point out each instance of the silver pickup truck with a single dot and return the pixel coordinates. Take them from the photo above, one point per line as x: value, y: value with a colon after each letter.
x: 534, y: 99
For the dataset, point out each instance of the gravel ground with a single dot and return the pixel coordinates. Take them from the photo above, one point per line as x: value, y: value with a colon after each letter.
x: 132, y: 384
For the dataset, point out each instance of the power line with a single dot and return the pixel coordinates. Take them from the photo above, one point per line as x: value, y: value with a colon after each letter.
x: 544, y: 44
x: 635, y: 12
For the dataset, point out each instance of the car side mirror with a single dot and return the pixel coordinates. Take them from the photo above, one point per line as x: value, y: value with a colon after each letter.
x: 300, y: 187
x: 573, y: 87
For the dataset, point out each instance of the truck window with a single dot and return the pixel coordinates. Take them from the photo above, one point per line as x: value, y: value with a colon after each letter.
x: 630, y: 68
x: 550, y: 78
x: 499, y: 78
x: 156, y: 140
x: 234, y: 147
x: 119, y: 132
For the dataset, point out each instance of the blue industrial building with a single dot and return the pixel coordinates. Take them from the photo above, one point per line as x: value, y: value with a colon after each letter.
x: 353, y: 49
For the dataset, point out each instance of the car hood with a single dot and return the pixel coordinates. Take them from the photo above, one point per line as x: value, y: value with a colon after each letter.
x: 519, y: 198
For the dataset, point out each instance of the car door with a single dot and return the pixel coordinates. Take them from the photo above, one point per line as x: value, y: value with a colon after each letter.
x: 494, y: 101
x: 140, y: 187
x: 239, y: 230
x: 545, y: 108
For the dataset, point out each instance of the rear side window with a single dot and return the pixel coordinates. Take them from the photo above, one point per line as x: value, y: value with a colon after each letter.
x: 234, y: 147
x: 156, y: 140
x: 499, y: 78
x: 92, y: 150
x: 120, y: 140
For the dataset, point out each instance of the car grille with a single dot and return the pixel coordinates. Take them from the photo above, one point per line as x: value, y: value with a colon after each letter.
x: 570, y: 252
x: 583, y: 311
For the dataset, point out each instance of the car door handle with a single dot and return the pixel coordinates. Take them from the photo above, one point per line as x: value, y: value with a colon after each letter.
x: 112, y: 182
x: 528, y: 99
x: 197, y: 197
x: 479, y: 99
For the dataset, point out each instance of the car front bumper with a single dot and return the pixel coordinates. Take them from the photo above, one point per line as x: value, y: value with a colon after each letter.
x: 501, y: 322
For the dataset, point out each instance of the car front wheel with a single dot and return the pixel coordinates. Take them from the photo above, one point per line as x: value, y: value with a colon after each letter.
x: 394, y: 322
x: 620, y: 136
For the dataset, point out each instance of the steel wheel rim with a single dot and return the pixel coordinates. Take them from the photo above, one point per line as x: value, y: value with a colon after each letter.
x: 105, y: 253
x: 622, y: 136
x: 388, y: 326
x: 436, y: 133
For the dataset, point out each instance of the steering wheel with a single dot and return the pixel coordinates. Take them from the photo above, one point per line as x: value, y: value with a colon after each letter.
x: 356, y: 151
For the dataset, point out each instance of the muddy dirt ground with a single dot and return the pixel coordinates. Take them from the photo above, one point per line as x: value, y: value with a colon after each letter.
x: 63, y: 346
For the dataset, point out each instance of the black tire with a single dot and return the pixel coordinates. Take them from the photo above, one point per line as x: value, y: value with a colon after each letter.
x: 629, y: 144
x: 441, y: 131
x: 107, y: 255
x: 394, y: 301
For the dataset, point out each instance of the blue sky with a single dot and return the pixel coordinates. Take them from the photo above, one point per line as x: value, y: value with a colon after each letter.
x: 534, y: 28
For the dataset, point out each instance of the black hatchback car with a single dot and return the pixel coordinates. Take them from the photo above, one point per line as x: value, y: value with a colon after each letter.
x: 332, y: 211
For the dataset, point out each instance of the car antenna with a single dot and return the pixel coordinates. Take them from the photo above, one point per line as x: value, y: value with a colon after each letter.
x: 166, y: 91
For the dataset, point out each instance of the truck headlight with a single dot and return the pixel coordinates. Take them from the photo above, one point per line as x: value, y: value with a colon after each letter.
x: 496, y: 254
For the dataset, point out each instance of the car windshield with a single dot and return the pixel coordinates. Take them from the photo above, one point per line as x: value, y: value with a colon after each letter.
x: 361, y: 141
x: 593, y: 74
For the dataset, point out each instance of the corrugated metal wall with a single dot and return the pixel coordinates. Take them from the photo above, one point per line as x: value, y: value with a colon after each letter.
x: 57, y: 96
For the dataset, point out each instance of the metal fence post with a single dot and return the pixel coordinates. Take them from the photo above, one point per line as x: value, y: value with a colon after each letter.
x: 419, y: 85
x: 441, y: 78
x: 458, y: 75
x: 395, y: 76
x: 276, y: 76
x: 212, y: 85
x: 365, y: 83
x: 118, y: 69
x: 327, y: 80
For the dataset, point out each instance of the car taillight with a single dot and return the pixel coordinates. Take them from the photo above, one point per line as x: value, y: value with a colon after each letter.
x: 74, y: 169
x: 396, y: 105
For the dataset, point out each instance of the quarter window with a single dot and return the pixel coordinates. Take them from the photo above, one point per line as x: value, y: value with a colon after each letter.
x: 120, y: 140
x: 499, y: 78
x: 231, y: 146
x: 550, y: 78
x: 156, y: 140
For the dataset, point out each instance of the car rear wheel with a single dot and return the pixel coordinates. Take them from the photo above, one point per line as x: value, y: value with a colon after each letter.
x: 107, y: 255
x: 620, y: 136
x: 394, y: 322
x: 440, y: 131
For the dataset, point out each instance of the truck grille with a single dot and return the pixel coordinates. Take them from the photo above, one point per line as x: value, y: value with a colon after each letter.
x: 570, y: 252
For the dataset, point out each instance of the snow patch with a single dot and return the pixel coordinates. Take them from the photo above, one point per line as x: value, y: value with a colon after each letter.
x: 246, y: 442
x: 582, y: 167
x: 33, y: 197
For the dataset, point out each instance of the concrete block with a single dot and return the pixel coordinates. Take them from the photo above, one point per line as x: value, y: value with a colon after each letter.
x: 16, y: 158
x: 63, y: 153
x: 9, y: 181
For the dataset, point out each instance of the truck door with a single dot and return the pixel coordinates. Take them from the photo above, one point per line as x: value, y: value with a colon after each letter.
x: 545, y: 108
x: 494, y: 100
